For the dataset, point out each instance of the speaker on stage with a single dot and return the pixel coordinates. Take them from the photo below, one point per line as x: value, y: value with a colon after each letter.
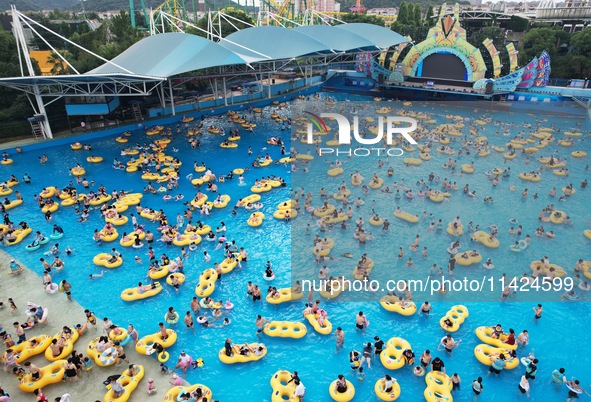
x: 489, y: 88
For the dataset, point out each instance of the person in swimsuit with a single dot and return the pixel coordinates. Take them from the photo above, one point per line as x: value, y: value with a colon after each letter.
x: 426, y: 358
x: 367, y: 353
x: 538, y: 312
x: 425, y: 309
x: 341, y: 384
x: 71, y: 371
x: 354, y: 360
x: 456, y: 380
x: 378, y: 346
x: 260, y: 324
x: 360, y: 321
x: 437, y: 365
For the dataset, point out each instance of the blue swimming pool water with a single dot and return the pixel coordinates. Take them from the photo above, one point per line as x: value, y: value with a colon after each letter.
x: 313, y: 356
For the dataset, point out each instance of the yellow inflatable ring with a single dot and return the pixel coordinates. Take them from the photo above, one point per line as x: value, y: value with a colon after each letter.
x: 382, y: 395
x: 344, y: 396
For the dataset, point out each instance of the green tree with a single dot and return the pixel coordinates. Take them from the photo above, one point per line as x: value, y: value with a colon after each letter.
x: 539, y: 39
x: 403, y: 14
x: 364, y: 18
x: 429, y: 21
x: 517, y: 24
x: 581, y: 43
x: 417, y: 15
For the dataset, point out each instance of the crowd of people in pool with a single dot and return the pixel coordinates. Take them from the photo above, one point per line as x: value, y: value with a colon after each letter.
x: 432, y: 185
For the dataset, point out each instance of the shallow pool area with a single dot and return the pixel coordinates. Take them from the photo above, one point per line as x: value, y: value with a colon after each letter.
x: 558, y: 339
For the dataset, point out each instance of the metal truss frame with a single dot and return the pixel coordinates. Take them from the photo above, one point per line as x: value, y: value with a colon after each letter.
x: 72, y: 86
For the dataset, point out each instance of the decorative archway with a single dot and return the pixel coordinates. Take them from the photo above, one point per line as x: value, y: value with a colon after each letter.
x: 447, y: 36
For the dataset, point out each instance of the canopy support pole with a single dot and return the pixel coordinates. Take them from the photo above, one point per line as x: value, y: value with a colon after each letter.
x: 171, y: 96
x: 224, y: 87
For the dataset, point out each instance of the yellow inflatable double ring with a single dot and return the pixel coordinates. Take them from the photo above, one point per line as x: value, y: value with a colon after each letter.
x: 384, y: 395
x: 173, y: 393
x: 50, y: 374
x: 206, y: 284
x: 94, y: 159
x: 104, y: 260
x: 228, y: 265
x: 283, y: 295
x: 94, y: 354
x: 487, y: 354
x: 28, y: 349
x: 68, y: 346
x: 283, y: 387
x: 128, y: 382
x: 131, y: 294
x: 391, y: 357
x: 540, y: 268
x: 144, y: 344
x: 237, y: 357
x: 485, y: 335
x: 335, y: 171
x: 285, y: 329
x: 324, y: 330
x: 456, y: 315
x: 256, y: 219
x: 283, y: 213
x: 485, y: 239
x: 12, y: 204
x: 342, y: 396
x: 439, y: 387
x: 406, y: 216
x: 392, y: 303
x: 467, y: 258
x: 412, y: 161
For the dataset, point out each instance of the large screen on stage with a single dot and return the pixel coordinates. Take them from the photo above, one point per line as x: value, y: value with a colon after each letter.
x: 446, y: 66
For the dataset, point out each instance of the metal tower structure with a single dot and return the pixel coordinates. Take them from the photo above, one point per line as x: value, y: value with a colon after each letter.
x: 132, y: 13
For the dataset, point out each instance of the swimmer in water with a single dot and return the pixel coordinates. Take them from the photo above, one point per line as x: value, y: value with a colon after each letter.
x: 96, y: 276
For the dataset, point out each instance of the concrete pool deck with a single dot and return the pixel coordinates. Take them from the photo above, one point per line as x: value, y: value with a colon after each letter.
x: 27, y: 287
